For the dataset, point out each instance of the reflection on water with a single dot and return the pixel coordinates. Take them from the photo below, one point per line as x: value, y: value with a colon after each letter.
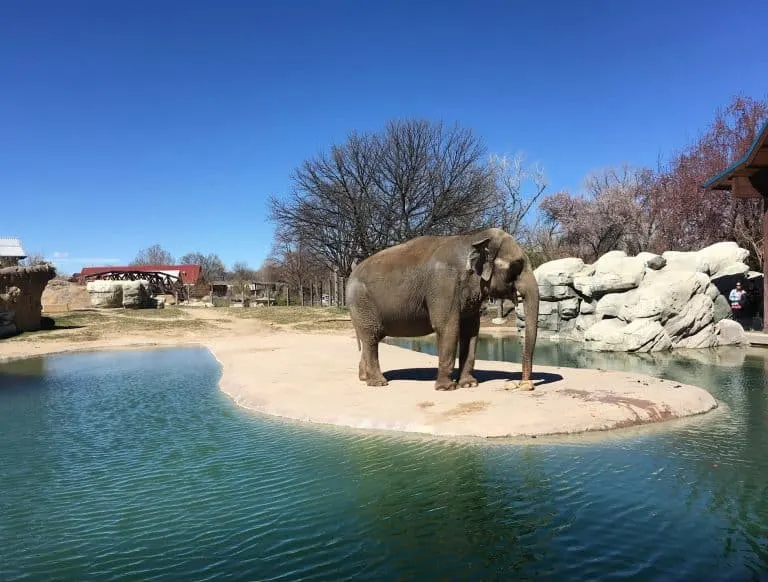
x: 134, y: 466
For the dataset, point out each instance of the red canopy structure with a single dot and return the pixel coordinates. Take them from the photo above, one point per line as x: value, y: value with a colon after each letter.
x: 748, y: 178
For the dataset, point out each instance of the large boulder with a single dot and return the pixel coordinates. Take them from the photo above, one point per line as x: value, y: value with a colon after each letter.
x: 662, y: 296
x: 695, y: 315
x: 105, y: 294
x: 729, y: 332
x: 724, y: 258
x: 614, y: 272
x: 558, y: 272
x: 613, y: 335
x: 20, y: 291
x: 136, y: 294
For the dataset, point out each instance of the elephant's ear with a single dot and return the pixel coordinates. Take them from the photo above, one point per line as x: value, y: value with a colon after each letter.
x: 479, y: 259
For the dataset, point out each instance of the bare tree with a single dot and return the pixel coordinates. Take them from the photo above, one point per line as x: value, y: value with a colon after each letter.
x: 612, y: 213
x: 518, y: 188
x: 378, y: 189
x: 154, y: 255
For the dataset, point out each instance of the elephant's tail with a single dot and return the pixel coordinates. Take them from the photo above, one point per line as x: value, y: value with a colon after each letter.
x: 357, y: 337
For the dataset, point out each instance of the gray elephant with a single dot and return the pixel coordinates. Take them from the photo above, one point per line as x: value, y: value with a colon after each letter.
x: 438, y: 283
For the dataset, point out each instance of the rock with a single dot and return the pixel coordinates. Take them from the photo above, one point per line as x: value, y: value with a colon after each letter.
x: 729, y: 333
x: 652, y: 261
x: 587, y: 307
x: 613, y: 335
x: 685, y: 261
x: 712, y: 291
x: 558, y: 272
x: 7, y: 330
x: 105, y: 294
x: 722, y: 255
x: 21, y: 288
x: 731, y: 269
x: 498, y: 321
x: 704, y: 338
x: 662, y: 296
x: 614, y: 272
x: 135, y: 294
x: 696, y: 314
x: 568, y: 308
x: 609, y: 305
x: 549, y: 292
x: 6, y: 317
x: 585, y: 321
x: 721, y: 309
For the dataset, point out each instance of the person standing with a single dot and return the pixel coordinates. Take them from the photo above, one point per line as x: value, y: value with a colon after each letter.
x: 737, y: 297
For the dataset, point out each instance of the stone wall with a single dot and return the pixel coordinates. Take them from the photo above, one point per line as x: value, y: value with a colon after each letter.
x: 20, y: 292
x: 643, y: 303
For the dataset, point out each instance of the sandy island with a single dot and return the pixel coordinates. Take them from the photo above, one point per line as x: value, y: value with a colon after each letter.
x: 307, y: 371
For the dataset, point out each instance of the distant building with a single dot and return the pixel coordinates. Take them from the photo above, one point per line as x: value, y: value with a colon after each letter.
x: 189, y: 274
x: 11, y: 252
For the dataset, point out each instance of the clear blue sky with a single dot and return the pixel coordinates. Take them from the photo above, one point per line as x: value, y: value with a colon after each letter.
x: 124, y: 124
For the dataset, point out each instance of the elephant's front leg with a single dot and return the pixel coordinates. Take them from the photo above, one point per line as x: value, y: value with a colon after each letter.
x: 447, y: 337
x: 370, y: 369
x: 467, y: 348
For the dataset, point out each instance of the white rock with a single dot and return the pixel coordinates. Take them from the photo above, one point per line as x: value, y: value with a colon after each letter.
x: 704, y: 338
x: 685, y: 261
x: 614, y: 272
x: 135, y: 293
x: 609, y: 305
x: 721, y: 255
x: 568, y: 308
x: 558, y: 272
x: 549, y: 292
x: 731, y: 269
x: 652, y: 261
x: 613, y: 335
x: 721, y: 309
x: 105, y: 293
x: 729, y: 333
x: 697, y: 314
x: 661, y: 296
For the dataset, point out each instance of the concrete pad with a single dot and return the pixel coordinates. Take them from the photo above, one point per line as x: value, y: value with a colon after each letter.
x: 313, y: 378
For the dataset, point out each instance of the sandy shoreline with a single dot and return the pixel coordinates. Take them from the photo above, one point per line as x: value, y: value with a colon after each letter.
x: 312, y: 377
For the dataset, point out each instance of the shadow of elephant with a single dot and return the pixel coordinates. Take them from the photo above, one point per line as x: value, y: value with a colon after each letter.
x: 539, y: 379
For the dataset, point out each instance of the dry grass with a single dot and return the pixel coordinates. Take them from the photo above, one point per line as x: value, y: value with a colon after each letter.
x: 289, y: 315
x: 90, y: 324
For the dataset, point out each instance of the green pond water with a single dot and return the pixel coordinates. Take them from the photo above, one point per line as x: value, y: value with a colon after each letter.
x: 133, y: 466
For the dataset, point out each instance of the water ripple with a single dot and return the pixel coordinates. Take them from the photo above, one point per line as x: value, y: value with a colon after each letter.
x: 112, y: 471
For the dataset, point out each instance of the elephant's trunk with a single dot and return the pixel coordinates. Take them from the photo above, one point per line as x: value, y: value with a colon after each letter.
x: 529, y: 290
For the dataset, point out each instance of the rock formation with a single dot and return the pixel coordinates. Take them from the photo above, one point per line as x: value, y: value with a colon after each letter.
x: 132, y: 294
x: 644, y: 303
x: 20, y: 292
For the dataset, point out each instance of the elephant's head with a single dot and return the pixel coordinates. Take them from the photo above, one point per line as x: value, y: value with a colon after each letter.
x: 505, y: 271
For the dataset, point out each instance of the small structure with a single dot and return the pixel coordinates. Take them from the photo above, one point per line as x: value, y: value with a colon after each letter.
x: 748, y: 178
x: 11, y: 252
x: 258, y: 292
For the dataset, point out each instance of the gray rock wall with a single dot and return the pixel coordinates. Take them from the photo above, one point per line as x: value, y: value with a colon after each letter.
x: 645, y: 303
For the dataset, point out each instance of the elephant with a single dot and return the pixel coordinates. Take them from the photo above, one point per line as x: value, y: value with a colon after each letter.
x: 438, y: 284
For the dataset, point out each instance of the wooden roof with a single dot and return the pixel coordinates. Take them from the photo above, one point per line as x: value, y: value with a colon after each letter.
x: 736, y: 177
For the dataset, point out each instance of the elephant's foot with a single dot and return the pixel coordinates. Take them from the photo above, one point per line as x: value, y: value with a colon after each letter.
x: 377, y: 381
x: 445, y: 385
x: 523, y: 385
x: 467, y: 381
